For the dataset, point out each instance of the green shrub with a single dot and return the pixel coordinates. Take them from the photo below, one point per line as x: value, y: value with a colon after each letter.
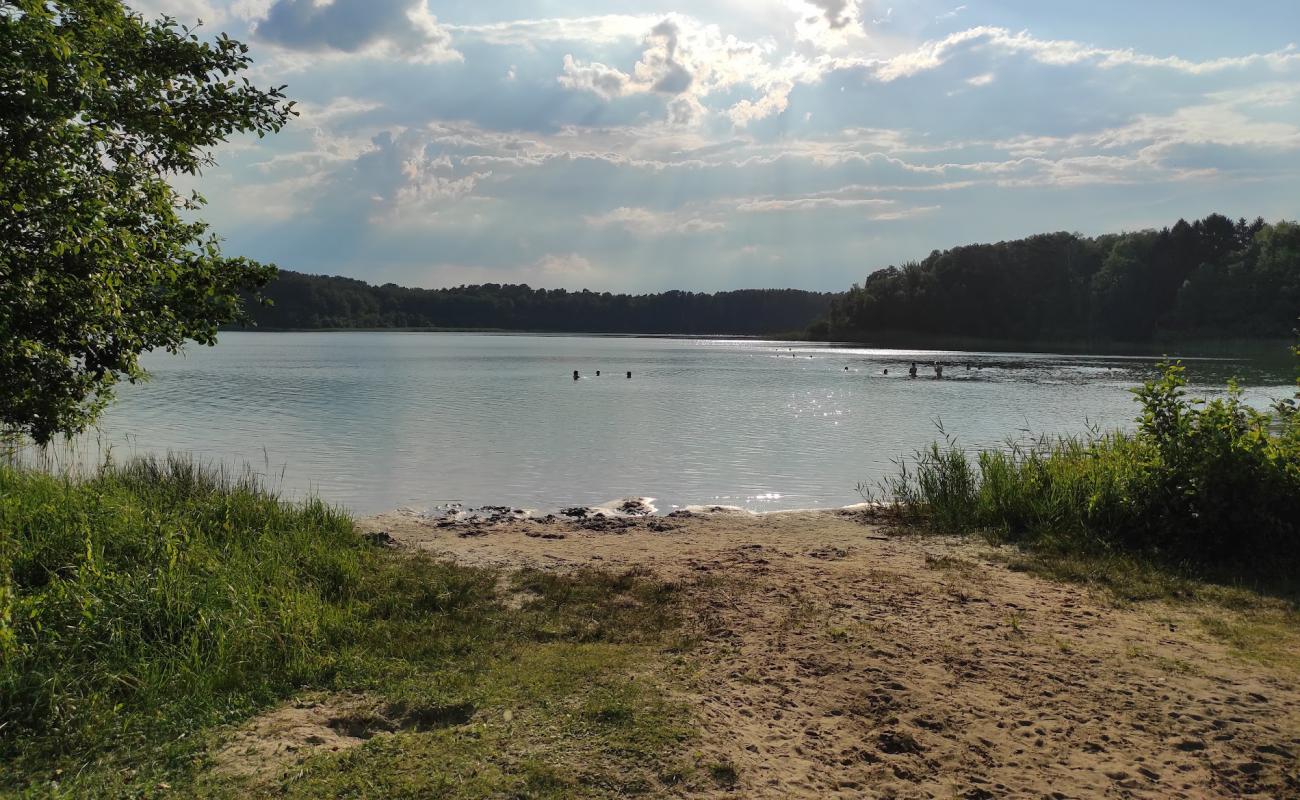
x: 1215, y: 483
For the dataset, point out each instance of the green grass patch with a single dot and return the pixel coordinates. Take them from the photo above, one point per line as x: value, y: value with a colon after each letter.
x: 1270, y: 637
x: 148, y: 608
x: 1202, y: 492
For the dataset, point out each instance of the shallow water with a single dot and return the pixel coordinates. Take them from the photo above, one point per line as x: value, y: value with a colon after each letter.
x: 375, y: 421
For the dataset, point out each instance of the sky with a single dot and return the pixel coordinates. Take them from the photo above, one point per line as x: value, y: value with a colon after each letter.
x: 721, y: 144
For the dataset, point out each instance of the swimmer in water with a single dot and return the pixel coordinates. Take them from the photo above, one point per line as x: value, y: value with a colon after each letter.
x: 911, y: 373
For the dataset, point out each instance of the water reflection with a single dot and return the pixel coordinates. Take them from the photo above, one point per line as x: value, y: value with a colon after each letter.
x: 379, y: 420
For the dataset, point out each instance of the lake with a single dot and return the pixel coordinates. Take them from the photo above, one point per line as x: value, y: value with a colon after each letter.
x: 374, y: 421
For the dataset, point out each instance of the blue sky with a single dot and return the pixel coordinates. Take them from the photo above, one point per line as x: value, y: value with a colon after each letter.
x: 719, y: 144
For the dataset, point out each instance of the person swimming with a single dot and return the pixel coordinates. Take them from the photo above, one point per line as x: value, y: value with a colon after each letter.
x: 911, y: 373
x: 575, y: 374
x: 938, y: 370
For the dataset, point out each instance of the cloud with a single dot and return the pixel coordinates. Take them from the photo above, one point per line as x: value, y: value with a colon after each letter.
x: 566, y: 269
x: 775, y: 101
x: 404, y: 29
x: 718, y: 148
x: 812, y: 203
x: 644, y: 222
x: 933, y: 54
x: 337, y: 109
x: 599, y: 79
x: 903, y: 213
x: 838, y: 13
x: 591, y: 31
x: 658, y: 69
x: 686, y: 62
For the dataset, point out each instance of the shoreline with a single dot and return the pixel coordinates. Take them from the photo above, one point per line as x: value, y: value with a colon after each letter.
x: 1192, y: 347
x: 838, y: 658
x: 627, y: 508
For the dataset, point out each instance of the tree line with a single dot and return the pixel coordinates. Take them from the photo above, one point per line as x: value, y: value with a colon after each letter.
x: 1210, y: 278
x: 299, y: 301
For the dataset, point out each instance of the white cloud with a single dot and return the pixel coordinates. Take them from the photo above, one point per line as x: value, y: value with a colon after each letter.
x: 645, y: 222
x: 903, y: 213
x: 801, y: 132
x: 933, y: 54
x: 400, y: 29
x: 811, y: 203
x: 687, y: 61
x: 599, y: 79
x: 339, y: 108
x: 594, y: 30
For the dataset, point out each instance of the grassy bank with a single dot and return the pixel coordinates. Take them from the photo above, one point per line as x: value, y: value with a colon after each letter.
x: 1202, y: 488
x: 145, y: 610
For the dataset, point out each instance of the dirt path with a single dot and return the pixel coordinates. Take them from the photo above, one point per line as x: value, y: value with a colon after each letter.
x: 837, y: 662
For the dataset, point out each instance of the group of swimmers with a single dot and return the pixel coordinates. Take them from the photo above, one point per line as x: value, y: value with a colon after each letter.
x: 577, y: 376
x: 911, y: 373
x: 938, y: 369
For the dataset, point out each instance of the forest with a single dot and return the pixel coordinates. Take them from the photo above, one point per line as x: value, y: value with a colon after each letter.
x: 1205, y: 279
x: 301, y: 301
x: 1211, y: 278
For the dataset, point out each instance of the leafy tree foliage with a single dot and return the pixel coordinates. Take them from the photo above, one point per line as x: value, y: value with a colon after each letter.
x: 310, y: 301
x: 1212, y: 277
x: 99, y: 260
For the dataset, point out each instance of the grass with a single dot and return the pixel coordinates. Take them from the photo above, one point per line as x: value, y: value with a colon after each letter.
x: 147, y: 609
x: 1207, y: 489
x: 1200, y: 505
x: 1267, y: 637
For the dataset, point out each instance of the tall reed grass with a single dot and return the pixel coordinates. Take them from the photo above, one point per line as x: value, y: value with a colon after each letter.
x: 1209, y: 483
x: 160, y: 596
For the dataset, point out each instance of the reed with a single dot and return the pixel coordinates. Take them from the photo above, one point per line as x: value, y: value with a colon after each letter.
x: 1207, y: 485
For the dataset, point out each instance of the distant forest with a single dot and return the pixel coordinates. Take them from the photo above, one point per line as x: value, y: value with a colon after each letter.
x: 315, y: 302
x: 1209, y: 278
x: 1212, y: 278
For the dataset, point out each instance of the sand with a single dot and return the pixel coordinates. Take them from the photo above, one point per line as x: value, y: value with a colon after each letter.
x: 838, y: 661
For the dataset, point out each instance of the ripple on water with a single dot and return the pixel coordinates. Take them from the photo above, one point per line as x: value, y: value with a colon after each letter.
x: 377, y: 420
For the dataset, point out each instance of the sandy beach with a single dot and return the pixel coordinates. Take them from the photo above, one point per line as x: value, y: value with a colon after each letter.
x: 838, y: 659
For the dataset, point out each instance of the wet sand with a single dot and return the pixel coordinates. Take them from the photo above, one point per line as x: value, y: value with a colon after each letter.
x: 838, y: 661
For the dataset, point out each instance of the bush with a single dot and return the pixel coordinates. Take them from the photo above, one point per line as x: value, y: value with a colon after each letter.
x: 1214, y: 483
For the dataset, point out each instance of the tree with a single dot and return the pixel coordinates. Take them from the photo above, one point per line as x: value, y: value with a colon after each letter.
x: 100, y: 258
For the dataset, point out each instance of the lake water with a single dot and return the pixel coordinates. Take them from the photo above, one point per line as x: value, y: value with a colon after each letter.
x: 374, y: 421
